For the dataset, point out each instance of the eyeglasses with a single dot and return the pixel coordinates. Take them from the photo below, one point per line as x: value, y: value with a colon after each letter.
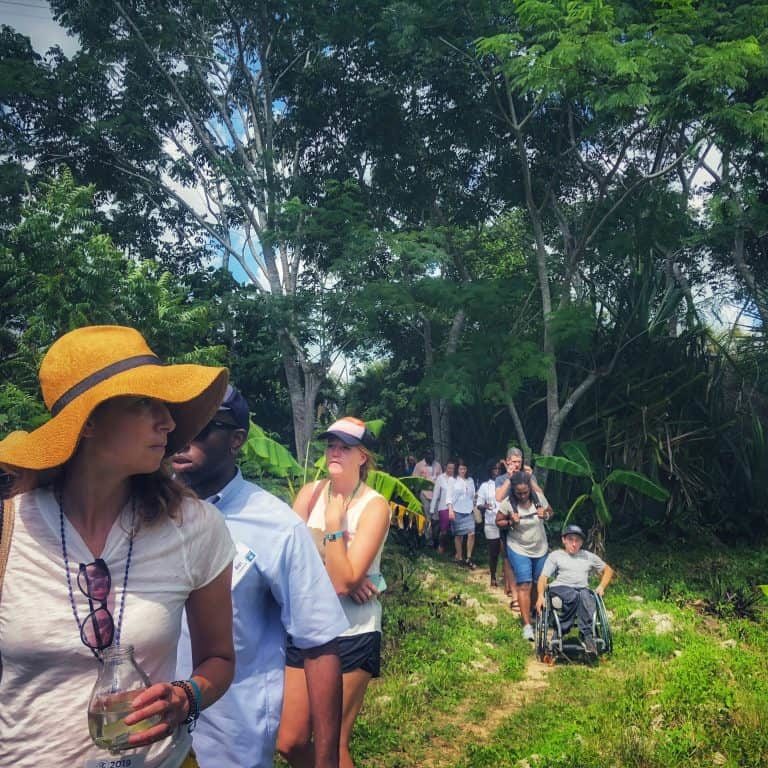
x: 210, y: 426
x: 95, y: 581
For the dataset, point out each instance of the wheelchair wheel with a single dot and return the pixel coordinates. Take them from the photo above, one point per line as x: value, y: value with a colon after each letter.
x: 602, y: 627
x: 540, y: 631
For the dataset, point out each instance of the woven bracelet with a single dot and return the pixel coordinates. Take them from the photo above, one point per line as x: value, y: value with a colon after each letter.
x: 194, y: 708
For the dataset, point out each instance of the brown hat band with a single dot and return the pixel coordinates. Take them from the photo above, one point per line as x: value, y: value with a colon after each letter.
x: 102, y: 375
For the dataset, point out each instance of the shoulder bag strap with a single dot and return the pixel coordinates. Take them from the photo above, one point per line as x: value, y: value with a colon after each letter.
x: 316, y: 495
x: 6, y: 529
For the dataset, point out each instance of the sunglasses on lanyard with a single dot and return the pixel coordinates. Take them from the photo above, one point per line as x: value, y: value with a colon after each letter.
x: 95, y: 582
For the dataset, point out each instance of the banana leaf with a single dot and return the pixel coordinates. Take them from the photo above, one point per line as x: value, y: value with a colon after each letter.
x: 601, y: 508
x: 561, y: 464
x: 375, y: 426
x: 273, y: 457
x: 392, y: 488
x: 637, y: 482
x: 578, y: 452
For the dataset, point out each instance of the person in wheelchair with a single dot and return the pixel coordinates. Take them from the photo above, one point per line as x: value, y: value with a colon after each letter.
x: 571, y: 568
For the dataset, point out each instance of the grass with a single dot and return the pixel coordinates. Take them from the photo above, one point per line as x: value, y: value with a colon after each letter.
x: 683, y: 687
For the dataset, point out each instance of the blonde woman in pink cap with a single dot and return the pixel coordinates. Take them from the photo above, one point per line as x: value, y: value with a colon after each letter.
x: 349, y: 522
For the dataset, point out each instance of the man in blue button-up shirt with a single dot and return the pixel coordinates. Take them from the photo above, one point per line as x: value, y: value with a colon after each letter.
x: 279, y: 587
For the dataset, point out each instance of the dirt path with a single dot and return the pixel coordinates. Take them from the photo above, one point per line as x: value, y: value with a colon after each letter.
x: 512, y: 698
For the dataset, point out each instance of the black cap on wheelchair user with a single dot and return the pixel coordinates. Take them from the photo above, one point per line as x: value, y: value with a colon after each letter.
x: 573, y: 539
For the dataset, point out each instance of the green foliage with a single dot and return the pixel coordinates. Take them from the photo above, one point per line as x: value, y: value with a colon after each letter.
x: 261, y: 454
x: 579, y: 464
x: 393, y: 489
x: 19, y: 410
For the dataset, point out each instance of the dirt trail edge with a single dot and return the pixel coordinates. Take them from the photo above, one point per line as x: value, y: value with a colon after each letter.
x: 511, y: 699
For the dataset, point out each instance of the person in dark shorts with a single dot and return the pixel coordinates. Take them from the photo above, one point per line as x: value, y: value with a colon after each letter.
x: 349, y: 522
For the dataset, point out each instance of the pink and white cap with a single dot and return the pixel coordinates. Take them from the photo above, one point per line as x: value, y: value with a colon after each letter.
x: 350, y: 431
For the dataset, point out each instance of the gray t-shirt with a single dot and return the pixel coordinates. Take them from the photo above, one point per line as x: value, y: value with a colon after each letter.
x: 529, y: 537
x: 572, y: 570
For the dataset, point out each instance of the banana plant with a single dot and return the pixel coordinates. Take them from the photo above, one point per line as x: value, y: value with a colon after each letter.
x: 262, y: 455
x: 576, y: 462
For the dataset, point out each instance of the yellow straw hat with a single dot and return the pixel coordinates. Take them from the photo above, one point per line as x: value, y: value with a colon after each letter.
x: 87, y: 366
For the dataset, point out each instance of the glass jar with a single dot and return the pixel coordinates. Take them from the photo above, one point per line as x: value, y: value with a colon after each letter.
x: 120, y: 680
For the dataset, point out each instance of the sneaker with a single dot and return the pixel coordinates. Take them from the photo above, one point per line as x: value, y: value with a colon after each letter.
x: 528, y: 633
x: 470, y: 564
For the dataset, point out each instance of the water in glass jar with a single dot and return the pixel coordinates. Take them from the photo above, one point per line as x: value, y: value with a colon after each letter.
x: 105, y: 720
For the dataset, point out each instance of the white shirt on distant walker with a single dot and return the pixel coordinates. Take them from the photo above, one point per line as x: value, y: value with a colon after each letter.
x: 461, y: 495
x: 443, y: 486
x: 486, y: 497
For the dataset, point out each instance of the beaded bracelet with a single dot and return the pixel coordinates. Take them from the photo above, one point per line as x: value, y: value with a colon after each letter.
x: 194, y: 707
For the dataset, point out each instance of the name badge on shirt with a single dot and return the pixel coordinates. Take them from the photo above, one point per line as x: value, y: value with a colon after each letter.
x: 125, y: 761
x: 244, y: 559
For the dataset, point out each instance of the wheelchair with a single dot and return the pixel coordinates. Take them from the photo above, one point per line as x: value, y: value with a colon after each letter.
x: 552, y: 646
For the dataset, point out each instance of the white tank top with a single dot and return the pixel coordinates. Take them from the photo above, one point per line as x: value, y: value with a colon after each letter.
x: 366, y: 617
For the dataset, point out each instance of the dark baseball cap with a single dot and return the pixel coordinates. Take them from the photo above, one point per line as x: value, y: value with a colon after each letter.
x: 573, y: 529
x: 237, y: 406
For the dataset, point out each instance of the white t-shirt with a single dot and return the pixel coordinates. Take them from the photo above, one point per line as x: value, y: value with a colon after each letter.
x: 486, y: 497
x: 48, y: 673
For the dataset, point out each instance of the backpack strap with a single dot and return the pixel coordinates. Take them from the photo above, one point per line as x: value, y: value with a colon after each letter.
x: 7, y: 516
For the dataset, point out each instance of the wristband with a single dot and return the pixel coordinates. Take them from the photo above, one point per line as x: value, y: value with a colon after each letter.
x: 194, y: 709
x: 198, y: 693
x: 335, y: 536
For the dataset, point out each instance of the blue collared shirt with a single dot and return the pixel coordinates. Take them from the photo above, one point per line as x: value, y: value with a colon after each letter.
x: 279, y: 586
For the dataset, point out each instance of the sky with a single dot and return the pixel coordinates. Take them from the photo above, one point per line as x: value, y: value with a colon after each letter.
x: 33, y: 18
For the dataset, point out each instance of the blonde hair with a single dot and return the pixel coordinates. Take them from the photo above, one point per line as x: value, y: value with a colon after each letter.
x: 370, y: 462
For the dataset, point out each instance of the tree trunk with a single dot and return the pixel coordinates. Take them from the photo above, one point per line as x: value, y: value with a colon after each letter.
x: 525, y: 446
x: 303, y: 386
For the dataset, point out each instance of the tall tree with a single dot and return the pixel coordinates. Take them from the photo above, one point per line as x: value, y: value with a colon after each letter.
x: 201, y: 115
x: 596, y: 99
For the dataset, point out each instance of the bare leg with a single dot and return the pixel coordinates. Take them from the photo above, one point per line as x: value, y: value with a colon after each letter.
x: 510, y: 583
x: 494, y: 545
x: 524, y: 599
x: 294, y: 738
x: 354, y: 684
x: 457, y: 547
x: 470, y: 545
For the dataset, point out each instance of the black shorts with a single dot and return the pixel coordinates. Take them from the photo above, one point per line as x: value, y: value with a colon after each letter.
x: 356, y: 652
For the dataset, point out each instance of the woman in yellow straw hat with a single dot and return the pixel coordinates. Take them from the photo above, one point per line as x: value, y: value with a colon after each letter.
x: 349, y: 522
x: 107, y: 550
